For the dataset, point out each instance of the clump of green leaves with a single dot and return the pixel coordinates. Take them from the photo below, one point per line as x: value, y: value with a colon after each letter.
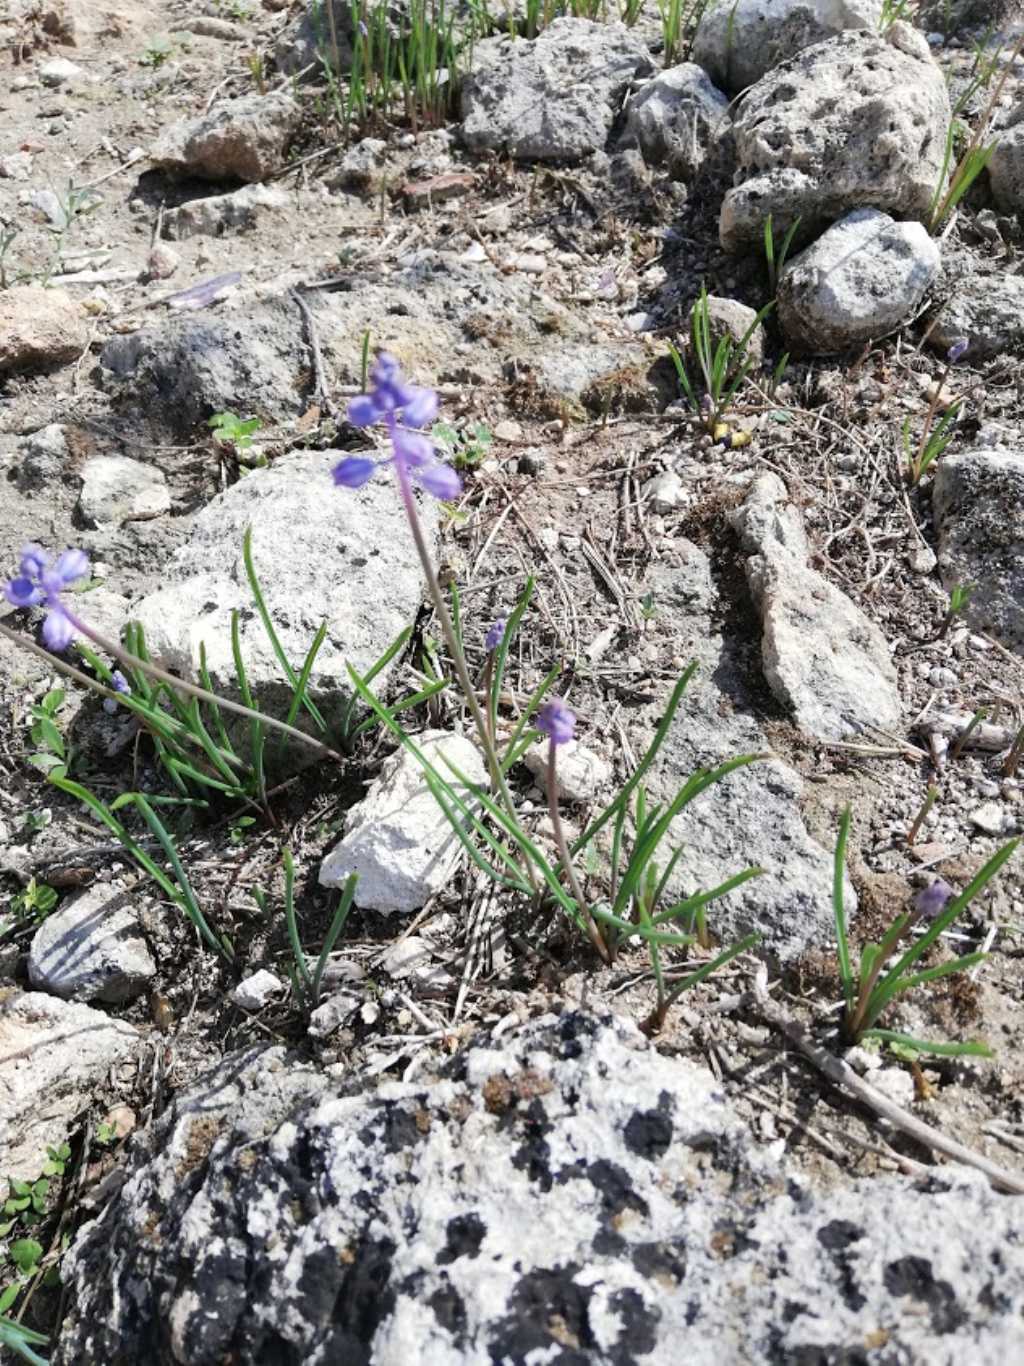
x: 933, y: 442
x: 157, y: 51
x: 886, y: 973
x: 33, y: 903
x: 234, y: 434
x: 465, y: 449
x: 51, y: 753
x: 723, y: 367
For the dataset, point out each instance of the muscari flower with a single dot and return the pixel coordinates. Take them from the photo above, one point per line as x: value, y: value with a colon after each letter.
x: 957, y: 350
x: 119, y: 684
x: 932, y: 900
x: 495, y: 635
x: 556, y: 721
x: 406, y: 410
x: 40, y: 584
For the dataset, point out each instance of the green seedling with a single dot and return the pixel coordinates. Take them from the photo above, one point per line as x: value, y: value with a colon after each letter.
x: 157, y: 51
x: 886, y: 973
x: 723, y: 368
x: 31, y: 905
x: 235, y: 434
x: 465, y: 449
x: 959, y: 597
x: 51, y: 753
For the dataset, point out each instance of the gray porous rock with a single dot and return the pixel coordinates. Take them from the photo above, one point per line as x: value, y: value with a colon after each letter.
x: 184, y: 370
x: 92, y: 948
x: 54, y: 1057
x: 1006, y: 165
x: 822, y: 657
x: 853, y: 122
x: 242, y: 139
x: 738, y: 43
x: 554, y: 98
x: 44, y: 458
x: 320, y: 553
x: 117, y: 489
x: 219, y: 214
x: 978, y: 504
x: 562, y: 1193
x: 863, y: 277
x: 987, y: 311
x: 675, y: 117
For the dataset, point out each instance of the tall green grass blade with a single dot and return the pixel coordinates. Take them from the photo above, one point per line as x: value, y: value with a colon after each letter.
x: 338, y: 923
x: 974, y: 1048
x: 271, y: 634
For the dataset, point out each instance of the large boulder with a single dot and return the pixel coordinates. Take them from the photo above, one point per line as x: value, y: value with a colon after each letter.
x: 855, y: 122
x: 320, y: 553
x: 978, y: 502
x: 738, y: 43
x: 552, y: 99
x: 858, y: 281
x: 560, y: 1192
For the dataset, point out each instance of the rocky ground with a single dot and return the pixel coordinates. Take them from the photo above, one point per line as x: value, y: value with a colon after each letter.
x: 470, y: 1152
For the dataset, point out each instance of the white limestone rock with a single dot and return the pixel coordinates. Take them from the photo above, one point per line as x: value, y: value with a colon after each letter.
x: 398, y: 839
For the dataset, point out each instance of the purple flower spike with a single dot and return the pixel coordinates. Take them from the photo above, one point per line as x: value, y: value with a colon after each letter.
x: 932, y: 900
x: 119, y: 684
x: 353, y: 472
x: 495, y: 635
x: 406, y: 410
x: 440, y: 480
x: 957, y: 350
x: 40, y: 584
x: 556, y: 721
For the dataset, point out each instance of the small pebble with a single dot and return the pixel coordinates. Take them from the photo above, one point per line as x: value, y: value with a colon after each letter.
x: 942, y: 678
x: 989, y: 818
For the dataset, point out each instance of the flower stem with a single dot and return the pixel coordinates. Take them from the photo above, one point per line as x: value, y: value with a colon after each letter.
x: 154, y: 671
x: 451, y: 640
x: 596, y: 938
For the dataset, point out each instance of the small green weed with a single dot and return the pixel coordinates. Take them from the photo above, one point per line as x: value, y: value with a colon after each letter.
x: 157, y: 51
x: 51, y: 755
x: 465, y: 449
